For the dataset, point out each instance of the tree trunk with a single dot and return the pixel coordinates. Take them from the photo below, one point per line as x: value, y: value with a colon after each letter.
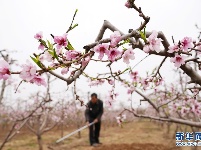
x: 7, y: 137
x: 40, y: 142
x: 168, y: 128
x: 62, y: 129
x: 79, y: 133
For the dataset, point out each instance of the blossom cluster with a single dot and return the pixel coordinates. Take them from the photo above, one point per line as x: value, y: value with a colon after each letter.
x: 59, y: 54
x: 111, y: 98
x: 63, y: 55
x: 175, y: 103
x: 188, y: 106
x: 149, y: 81
x: 28, y: 73
x: 4, y: 70
x: 182, y: 46
x: 120, y: 119
x: 112, y: 51
x: 153, y: 43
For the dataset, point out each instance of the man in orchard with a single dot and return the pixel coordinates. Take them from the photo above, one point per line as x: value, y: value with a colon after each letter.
x: 94, y: 113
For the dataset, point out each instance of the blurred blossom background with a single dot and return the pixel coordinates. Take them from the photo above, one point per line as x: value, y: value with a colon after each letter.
x: 21, y: 20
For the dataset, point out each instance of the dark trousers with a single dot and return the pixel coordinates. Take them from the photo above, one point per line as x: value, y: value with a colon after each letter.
x: 94, y: 132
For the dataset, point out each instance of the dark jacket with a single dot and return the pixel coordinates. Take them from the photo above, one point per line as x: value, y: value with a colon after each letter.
x: 94, y: 111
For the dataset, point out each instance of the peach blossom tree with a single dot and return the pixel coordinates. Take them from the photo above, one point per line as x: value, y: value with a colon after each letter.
x: 60, y: 59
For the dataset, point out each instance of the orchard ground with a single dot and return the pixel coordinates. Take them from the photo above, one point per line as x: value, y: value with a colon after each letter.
x: 137, y: 135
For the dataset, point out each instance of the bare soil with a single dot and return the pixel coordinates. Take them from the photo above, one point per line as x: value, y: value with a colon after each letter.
x: 136, y: 146
x: 139, y: 135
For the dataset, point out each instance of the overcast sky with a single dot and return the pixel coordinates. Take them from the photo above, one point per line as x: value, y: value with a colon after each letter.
x: 21, y: 19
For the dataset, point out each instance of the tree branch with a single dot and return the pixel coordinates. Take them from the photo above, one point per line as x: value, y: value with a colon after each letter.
x: 169, y: 119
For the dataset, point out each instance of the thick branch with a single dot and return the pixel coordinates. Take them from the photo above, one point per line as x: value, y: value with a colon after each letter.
x: 50, y: 128
x: 147, y: 99
x: 169, y: 119
x: 195, y: 77
x: 44, y: 122
x: 21, y: 125
x: 158, y: 69
x: 31, y: 129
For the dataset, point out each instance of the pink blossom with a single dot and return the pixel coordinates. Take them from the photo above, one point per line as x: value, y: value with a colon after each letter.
x: 42, y: 58
x: 184, y: 110
x: 195, y: 107
x: 196, y: 91
x: 39, y: 80
x: 56, y: 118
x: 128, y: 54
x: 72, y: 55
x: 120, y: 119
x: 111, y: 82
x: 17, y: 126
x: 109, y: 103
x: 64, y: 71
x: 159, y: 81
x: 96, y: 82
x: 115, y: 38
x: 85, y: 61
x: 153, y: 43
x: 58, y: 51
x: 134, y: 76
x: 135, y: 73
x: 174, y: 106
x: 101, y: 49
x: 131, y: 90
x: 186, y: 43
x: 127, y: 4
x: 110, y: 99
x: 146, y: 49
x: 173, y: 49
x: 4, y: 70
x: 61, y: 41
x: 46, y: 56
x: 41, y: 46
x: 113, y: 54
x: 178, y: 60
x: 38, y: 35
x: 196, y: 111
x: 28, y: 71
x: 113, y: 95
x: 145, y: 83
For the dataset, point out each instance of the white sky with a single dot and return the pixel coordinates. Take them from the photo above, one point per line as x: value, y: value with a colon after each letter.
x: 21, y: 19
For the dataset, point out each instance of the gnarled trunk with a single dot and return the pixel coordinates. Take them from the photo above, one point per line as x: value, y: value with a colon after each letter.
x: 40, y: 142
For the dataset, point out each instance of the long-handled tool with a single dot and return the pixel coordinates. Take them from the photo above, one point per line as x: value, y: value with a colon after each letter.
x: 74, y: 132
